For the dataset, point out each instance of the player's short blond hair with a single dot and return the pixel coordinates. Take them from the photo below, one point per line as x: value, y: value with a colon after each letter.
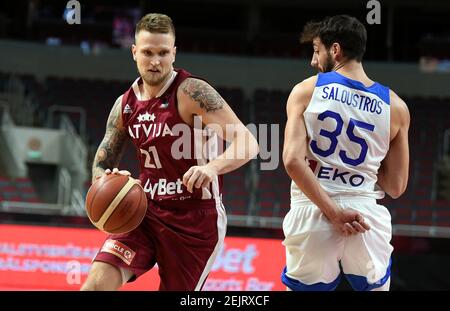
x: 156, y: 23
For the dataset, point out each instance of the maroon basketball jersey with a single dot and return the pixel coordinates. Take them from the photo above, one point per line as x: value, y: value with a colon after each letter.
x: 166, y: 146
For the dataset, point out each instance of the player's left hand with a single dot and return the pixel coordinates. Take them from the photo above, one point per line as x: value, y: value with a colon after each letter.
x: 198, y: 176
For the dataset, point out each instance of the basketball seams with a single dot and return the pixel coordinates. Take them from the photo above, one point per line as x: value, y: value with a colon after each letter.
x: 114, y: 207
x: 115, y: 202
x: 136, y: 211
x: 92, y: 200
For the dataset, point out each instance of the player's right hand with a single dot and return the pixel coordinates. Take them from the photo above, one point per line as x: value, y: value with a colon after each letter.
x: 116, y: 171
x: 349, y: 221
x: 119, y: 172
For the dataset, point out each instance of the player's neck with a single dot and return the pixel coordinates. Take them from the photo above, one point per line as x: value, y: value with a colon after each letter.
x: 151, y: 91
x: 353, y: 70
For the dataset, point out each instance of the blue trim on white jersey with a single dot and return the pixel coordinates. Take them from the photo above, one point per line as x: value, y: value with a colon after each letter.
x: 360, y: 283
x: 296, y: 285
x: 377, y: 89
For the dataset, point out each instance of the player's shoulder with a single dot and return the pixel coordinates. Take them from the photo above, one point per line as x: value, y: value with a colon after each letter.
x: 119, y: 99
x: 399, y: 107
x: 193, y: 89
x: 306, y: 84
x: 118, y: 102
x: 396, y: 101
x: 304, y: 88
x: 194, y: 82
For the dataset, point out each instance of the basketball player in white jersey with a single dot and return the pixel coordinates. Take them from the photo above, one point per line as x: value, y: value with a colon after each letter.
x: 346, y: 145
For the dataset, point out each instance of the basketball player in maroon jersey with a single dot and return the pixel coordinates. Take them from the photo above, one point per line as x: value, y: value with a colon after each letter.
x: 185, y: 224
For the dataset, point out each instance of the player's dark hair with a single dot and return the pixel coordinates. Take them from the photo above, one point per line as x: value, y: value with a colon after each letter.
x: 156, y: 23
x: 346, y: 30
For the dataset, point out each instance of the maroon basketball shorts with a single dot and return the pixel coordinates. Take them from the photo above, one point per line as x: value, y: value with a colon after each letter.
x: 183, y: 238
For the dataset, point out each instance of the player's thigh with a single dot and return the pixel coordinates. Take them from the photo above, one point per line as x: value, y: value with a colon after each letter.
x: 186, y: 255
x: 366, y: 260
x: 103, y: 276
x: 313, y: 250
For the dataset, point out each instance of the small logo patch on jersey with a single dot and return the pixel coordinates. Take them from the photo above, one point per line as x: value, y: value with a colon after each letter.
x: 127, y: 109
x: 120, y: 250
x: 146, y: 117
x: 164, y: 105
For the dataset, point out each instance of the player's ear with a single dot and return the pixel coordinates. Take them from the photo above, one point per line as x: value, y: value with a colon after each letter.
x: 336, y: 49
x: 133, y: 51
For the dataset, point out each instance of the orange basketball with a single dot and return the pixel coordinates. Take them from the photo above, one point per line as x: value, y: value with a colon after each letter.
x: 116, y: 203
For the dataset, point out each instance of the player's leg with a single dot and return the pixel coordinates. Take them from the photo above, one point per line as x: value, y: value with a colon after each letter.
x: 188, y: 248
x: 366, y: 261
x: 103, y: 276
x: 313, y: 251
x: 122, y: 258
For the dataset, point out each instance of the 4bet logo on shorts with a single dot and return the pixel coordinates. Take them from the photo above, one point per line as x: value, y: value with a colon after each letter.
x: 163, y: 187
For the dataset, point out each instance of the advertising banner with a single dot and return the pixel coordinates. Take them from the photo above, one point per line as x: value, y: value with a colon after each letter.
x: 57, y: 258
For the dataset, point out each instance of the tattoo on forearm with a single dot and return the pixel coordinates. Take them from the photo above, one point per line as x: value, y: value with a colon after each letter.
x: 205, y: 95
x: 112, y: 146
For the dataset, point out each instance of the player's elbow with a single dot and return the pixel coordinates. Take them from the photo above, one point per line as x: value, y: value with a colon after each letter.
x: 392, y: 181
x: 395, y: 195
x: 246, y: 143
x: 291, y: 162
x: 397, y: 189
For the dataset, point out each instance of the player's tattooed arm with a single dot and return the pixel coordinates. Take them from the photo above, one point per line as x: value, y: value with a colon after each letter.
x: 204, y: 94
x: 198, y: 98
x: 112, y: 146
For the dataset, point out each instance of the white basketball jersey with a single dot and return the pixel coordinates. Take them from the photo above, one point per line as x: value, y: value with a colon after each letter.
x: 348, y: 128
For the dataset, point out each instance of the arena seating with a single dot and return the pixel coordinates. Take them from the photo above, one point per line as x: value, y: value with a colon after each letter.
x: 418, y: 206
x: 17, y: 190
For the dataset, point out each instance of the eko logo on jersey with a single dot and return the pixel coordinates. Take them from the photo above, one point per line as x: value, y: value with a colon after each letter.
x: 334, y: 174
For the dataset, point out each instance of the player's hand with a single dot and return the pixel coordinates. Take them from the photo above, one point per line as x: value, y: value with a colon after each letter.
x: 349, y: 221
x: 119, y: 172
x: 198, y: 176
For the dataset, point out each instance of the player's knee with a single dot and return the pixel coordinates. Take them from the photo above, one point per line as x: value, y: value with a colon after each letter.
x: 99, y: 284
x: 102, y: 277
x: 90, y: 285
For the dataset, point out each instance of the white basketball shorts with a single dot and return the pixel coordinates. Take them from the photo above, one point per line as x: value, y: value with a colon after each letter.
x: 316, y: 253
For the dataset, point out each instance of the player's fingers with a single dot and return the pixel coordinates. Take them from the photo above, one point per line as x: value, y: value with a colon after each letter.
x: 187, y: 175
x: 365, y: 225
x: 206, y: 182
x: 124, y: 172
x: 349, y: 228
x: 344, y: 231
x: 199, y: 181
x: 115, y: 170
x: 360, y: 219
x: 107, y: 171
x: 358, y: 227
x: 192, y: 180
